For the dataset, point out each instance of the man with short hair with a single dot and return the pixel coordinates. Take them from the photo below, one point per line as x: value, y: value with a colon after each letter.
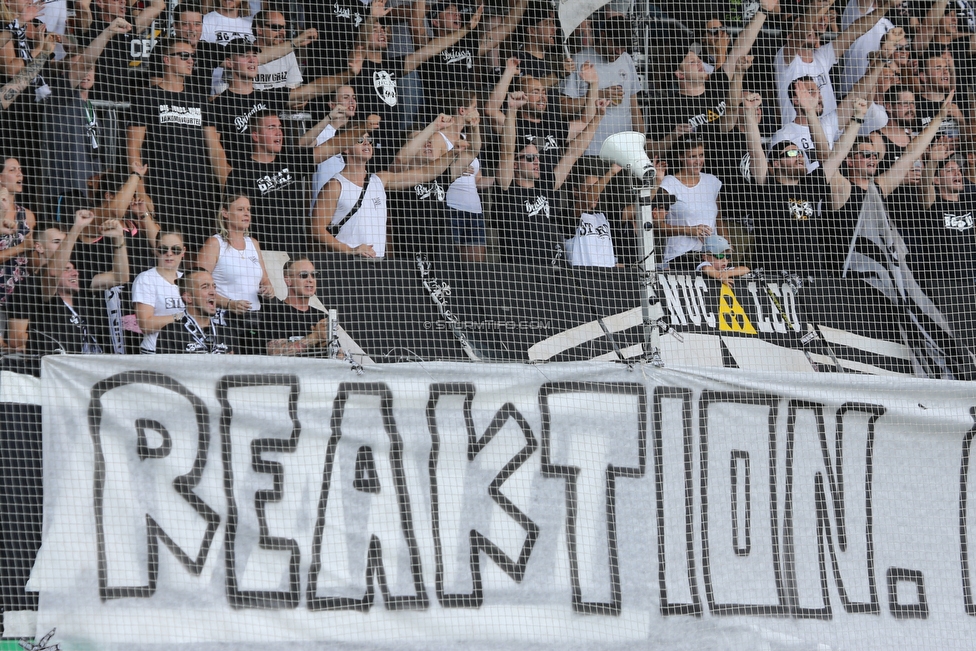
x: 27, y: 294
x: 198, y: 331
x: 293, y: 326
x: 270, y: 28
x: 272, y: 178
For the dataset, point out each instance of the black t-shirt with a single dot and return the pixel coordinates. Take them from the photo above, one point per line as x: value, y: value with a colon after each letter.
x: 232, y: 114
x: 122, y: 65
x: 943, y: 245
x: 282, y: 321
x: 338, y: 23
x: 926, y: 110
x: 729, y: 159
x: 187, y: 337
x: 421, y: 224
x: 378, y: 91
x: 207, y: 57
x: 54, y: 327
x: 175, y: 149
x: 530, y: 227
x: 549, y: 135
x: 279, y: 206
x: 453, y: 68
x: 788, y: 226
x: 702, y: 112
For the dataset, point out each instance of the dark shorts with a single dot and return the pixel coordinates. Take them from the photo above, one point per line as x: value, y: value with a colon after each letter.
x: 467, y: 228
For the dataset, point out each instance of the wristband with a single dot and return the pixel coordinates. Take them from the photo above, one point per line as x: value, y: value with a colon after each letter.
x: 139, y: 175
x: 120, y: 246
x: 857, y: 119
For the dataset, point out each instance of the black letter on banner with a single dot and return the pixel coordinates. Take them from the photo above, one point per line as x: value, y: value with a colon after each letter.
x: 743, y: 547
x: 822, y: 517
x: 571, y: 474
x: 374, y: 562
x: 259, y: 598
x: 967, y: 445
x: 478, y: 541
x: 667, y: 606
x: 743, y: 398
x: 184, y: 484
x: 835, y: 482
x: 917, y: 610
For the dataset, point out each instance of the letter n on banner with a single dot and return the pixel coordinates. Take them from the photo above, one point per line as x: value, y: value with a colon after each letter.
x: 365, y: 453
x: 455, y: 511
x: 157, y: 405
x: 585, y: 440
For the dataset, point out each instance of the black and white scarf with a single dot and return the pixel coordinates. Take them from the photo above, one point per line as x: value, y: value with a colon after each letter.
x: 41, y: 90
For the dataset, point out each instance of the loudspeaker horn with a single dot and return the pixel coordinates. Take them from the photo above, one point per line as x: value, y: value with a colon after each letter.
x: 626, y: 149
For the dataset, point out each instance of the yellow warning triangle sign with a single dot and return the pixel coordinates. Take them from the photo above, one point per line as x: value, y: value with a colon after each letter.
x: 731, y: 316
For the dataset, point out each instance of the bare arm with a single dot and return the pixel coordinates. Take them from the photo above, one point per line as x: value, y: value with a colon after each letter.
x: 744, y: 41
x: 929, y: 25
x: 149, y: 14
x: 895, y: 174
x: 117, y: 207
x: 493, y: 106
x: 119, y: 275
x: 25, y: 74
x: 209, y: 254
x: 149, y: 322
x: 275, y: 52
x: 501, y: 31
x: 58, y: 262
x: 576, y: 147
x: 866, y: 87
x: 133, y: 146
x: 218, y: 158
x: 860, y: 27
x: 437, y: 45
x: 322, y: 215
x: 319, y: 336
x: 506, y: 160
x: 758, y: 165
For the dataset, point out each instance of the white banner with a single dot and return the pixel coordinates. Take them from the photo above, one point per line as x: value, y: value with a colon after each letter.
x: 250, y: 501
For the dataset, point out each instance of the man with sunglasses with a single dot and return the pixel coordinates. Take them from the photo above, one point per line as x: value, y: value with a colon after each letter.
x: 270, y: 28
x: 171, y: 129
x: 293, y: 326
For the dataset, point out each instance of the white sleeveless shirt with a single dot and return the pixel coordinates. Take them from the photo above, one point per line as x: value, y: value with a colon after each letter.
x: 238, y: 273
x: 368, y: 224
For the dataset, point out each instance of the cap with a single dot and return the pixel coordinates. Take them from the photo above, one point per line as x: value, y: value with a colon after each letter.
x: 715, y: 244
x: 241, y: 47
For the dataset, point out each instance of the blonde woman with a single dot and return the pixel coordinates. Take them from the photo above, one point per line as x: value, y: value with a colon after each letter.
x: 234, y: 258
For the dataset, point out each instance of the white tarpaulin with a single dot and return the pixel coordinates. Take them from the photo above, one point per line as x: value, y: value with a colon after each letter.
x: 248, y: 502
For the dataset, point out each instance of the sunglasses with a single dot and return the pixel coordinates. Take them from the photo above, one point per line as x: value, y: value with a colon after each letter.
x: 714, y: 31
x: 305, y: 275
x: 176, y: 249
x: 904, y: 47
x: 276, y: 28
x: 185, y: 56
x: 869, y: 154
x: 529, y: 158
x: 790, y: 153
x: 720, y: 256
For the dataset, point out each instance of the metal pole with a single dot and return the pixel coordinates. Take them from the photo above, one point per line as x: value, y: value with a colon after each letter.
x: 652, y: 312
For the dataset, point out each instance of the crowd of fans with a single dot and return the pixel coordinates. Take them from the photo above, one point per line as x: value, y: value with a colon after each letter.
x: 151, y: 155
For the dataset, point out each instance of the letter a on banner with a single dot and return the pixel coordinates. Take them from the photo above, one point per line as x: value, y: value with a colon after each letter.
x: 731, y: 316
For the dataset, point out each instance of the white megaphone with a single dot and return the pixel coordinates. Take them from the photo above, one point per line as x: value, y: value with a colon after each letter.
x: 626, y: 149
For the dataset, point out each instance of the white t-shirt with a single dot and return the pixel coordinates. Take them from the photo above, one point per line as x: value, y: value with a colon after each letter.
x: 149, y: 288
x: 819, y: 69
x: 621, y: 72
x: 221, y: 30
x: 692, y: 207
x: 280, y: 73
x: 592, y: 245
x: 238, y: 273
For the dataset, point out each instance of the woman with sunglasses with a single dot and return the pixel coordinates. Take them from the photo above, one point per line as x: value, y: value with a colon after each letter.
x: 695, y: 214
x: 155, y: 294
x: 235, y: 260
